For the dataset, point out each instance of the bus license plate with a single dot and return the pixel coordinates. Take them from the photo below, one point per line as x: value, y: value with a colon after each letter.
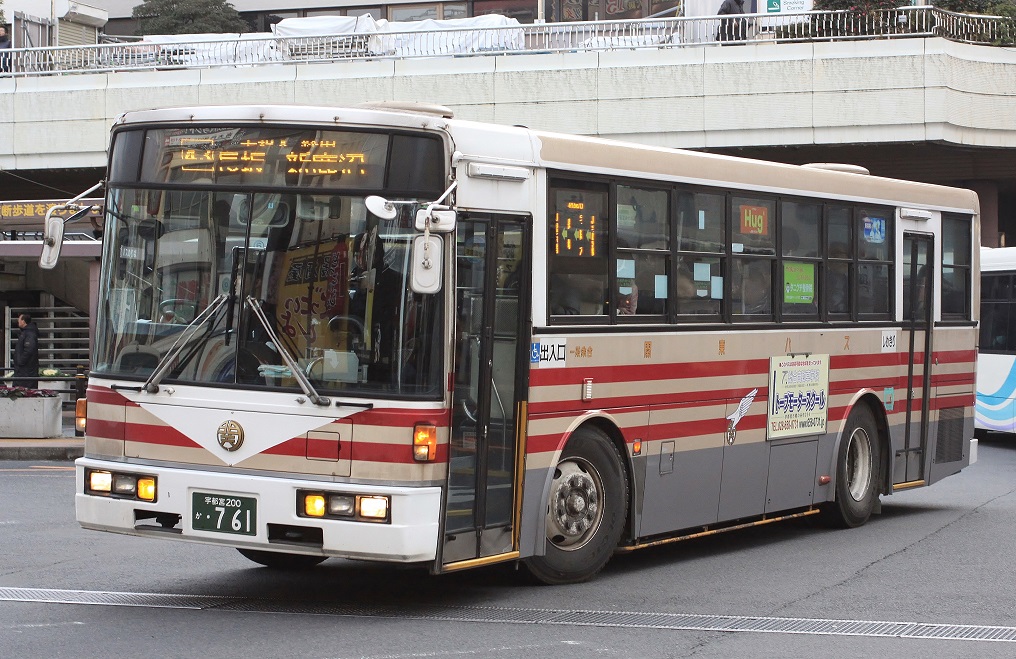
x: 224, y: 513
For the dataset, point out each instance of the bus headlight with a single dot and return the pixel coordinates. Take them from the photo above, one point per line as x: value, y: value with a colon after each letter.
x: 146, y: 488
x: 125, y: 484
x: 314, y: 505
x: 374, y: 507
x: 336, y: 505
x: 100, y: 481
x: 120, y: 485
x: 341, y: 504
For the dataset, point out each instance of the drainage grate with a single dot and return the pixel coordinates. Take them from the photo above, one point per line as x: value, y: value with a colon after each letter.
x: 524, y: 616
x: 148, y: 600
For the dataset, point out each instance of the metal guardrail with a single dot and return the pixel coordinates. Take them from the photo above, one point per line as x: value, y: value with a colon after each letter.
x: 652, y: 33
x: 63, y: 337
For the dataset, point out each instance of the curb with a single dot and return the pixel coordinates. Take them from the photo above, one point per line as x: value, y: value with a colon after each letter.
x: 46, y: 453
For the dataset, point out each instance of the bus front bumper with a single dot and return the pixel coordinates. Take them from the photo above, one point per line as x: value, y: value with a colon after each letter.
x: 260, y: 513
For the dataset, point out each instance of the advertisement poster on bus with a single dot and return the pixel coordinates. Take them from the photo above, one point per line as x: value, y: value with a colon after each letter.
x: 798, y: 396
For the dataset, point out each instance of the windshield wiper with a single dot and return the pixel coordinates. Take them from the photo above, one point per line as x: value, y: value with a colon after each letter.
x: 152, y: 384
x: 291, y: 364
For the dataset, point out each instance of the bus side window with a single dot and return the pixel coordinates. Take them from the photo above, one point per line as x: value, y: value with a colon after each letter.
x: 700, y: 238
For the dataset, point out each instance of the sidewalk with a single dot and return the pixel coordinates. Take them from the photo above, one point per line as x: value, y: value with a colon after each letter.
x: 64, y: 448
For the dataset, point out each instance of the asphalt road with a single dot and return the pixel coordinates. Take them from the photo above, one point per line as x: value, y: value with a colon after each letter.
x: 932, y: 576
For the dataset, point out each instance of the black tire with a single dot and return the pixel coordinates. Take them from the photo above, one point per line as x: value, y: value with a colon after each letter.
x: 586, y: 510
x: 858, y: 472
x: 278, y: 560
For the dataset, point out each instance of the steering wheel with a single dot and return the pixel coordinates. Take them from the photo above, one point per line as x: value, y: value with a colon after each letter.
x: 351, y: 327
x: 177, y: 310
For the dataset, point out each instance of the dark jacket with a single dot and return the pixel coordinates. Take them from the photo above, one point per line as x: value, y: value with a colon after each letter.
x: 731, y: 7
x: 26, y: 356
x: 731, y: 29
x: 5, y: 58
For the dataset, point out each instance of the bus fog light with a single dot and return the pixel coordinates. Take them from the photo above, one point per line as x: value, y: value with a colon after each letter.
x: 146, y: 488
x: 124, y: 484
x: 341, y: 504
x: 100, y: 481
x: 314, y: 505
x: 373, y: 507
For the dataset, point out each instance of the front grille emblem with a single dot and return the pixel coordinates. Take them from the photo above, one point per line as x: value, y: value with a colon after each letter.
x: 230, y: 435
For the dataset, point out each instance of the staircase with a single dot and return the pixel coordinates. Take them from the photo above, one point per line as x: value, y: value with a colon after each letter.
x: 63, y: 338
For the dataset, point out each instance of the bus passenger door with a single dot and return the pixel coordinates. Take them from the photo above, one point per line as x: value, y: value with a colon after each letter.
x: 918, y: 303
x: 488, y: 415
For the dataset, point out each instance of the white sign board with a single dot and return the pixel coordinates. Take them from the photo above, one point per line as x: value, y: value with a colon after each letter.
x: 798, y: 396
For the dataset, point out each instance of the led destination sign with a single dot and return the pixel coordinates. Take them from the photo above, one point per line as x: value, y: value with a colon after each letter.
x: 313, y: 157
x: 575, y: 224
x: 260, y: 156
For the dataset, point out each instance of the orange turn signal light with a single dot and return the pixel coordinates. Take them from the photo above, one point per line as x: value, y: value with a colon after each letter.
x: 424, y: 442
x: 80, y: 414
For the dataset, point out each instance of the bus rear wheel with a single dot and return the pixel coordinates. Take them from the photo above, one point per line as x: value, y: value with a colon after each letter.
x: 858, y: 472
x: 586, y: 510
x: 278, y: 560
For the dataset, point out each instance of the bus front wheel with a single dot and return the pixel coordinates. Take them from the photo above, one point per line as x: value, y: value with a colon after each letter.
x: 281, y: 561
x: 586, y: 510
x: 858, y: 468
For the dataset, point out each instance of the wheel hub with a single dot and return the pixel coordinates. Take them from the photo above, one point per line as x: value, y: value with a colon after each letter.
x: 575, y: 509
x: 859, y: 468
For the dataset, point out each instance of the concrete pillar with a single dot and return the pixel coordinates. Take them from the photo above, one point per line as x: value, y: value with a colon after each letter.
x: 94, y: 268
x: 987, y: 192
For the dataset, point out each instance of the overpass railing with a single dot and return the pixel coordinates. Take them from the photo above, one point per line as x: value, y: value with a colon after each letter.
x: 197, y: 51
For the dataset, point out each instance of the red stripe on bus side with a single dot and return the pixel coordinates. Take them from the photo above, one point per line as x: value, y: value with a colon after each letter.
x: 107, y: 429
x: 400, y: 418
x: 161, y: 435
x: 632, y: 403
x: 360, y: 452
x: 105, y: 396
x: 547, y: 377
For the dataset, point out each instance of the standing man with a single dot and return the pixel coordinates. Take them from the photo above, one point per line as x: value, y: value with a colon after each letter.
x: 5, y: 44
x: 26, y: 353
x: 731, y: 29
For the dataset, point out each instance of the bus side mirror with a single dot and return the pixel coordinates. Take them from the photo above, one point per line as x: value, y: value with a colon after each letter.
x: 427, y: 258
x: 53, y: 227
x: 53, y: 234
x: 441, y: 220
x: 52, y: 240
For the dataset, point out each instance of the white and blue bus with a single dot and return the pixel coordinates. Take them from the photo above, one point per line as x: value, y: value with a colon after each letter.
x: 996, y: 357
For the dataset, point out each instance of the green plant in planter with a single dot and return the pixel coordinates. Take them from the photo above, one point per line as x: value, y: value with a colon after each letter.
x: 52, y: 373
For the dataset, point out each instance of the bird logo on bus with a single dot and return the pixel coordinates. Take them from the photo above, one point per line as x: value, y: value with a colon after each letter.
x: 738, y: 414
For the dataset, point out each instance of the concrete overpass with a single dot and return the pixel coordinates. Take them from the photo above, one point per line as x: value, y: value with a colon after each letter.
x: 927, y: 109
x: 920, y: 108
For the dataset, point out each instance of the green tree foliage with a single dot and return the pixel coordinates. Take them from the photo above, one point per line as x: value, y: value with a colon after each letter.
x: 188, y: 17
x: 983, y: 7
x: 857, y: 6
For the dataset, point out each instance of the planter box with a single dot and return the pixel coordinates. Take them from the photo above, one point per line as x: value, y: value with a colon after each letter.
x: 60, y: 387
x: 31, y: 418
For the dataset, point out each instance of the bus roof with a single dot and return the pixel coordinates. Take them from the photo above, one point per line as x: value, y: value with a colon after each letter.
x: 998, y: 259
x: 747, y: 174
x: 589, y: 154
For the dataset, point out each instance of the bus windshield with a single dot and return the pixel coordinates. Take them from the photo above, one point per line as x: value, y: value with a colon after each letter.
x: 330, y: 277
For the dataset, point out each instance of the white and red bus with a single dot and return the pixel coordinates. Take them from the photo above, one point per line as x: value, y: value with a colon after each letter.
x: 384, y: 333
x: 996, y: 357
